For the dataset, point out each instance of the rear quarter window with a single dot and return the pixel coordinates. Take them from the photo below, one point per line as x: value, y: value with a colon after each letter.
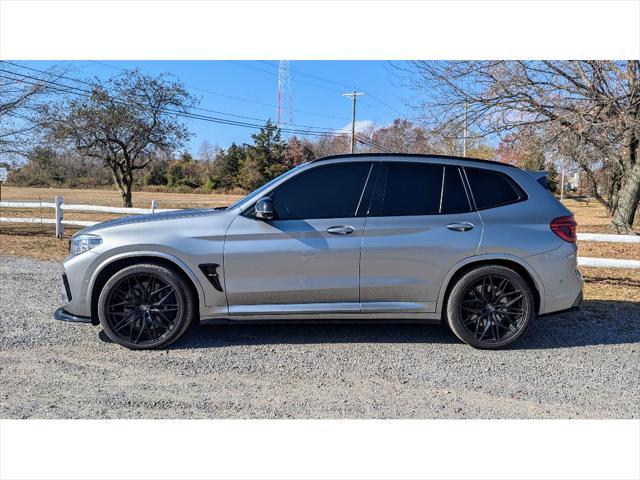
x: 493, y: 189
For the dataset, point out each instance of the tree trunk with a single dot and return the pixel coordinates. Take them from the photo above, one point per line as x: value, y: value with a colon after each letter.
x: 123, y: 184
x: 127, y: 181
x: 628, y: 199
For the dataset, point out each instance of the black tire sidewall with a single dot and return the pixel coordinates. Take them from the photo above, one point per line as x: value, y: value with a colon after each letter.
x: 453, y: 316
x: 185, y: 299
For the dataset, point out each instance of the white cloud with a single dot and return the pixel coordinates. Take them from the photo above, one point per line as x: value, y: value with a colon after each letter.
x: 361, y: 126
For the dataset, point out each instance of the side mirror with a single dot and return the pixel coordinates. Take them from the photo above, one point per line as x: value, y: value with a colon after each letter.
x: 264, y: 209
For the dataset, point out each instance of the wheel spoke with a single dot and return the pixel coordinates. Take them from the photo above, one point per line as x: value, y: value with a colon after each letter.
x: 159, y: 302
x: 126, y: 303
x: 513, y: 300
x: 169, y: 323
x: 142, y: 308
x: 492, y: 308
x: 155, y: 292
x: 126, y: 321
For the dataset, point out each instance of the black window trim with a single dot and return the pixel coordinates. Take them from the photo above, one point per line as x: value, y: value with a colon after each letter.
x: 250, y: 211
x: 523, y: 196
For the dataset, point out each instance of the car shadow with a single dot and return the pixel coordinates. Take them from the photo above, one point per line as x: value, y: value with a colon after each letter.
x: 598, y: 322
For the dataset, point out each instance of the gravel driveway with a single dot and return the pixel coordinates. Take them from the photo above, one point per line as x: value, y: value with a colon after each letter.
x: 578, y: 365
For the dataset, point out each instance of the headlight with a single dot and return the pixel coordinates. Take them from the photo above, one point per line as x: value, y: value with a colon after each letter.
x: 82, y: 243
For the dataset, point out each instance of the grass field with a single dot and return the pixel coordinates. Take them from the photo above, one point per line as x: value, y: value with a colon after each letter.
x: 38, y: 241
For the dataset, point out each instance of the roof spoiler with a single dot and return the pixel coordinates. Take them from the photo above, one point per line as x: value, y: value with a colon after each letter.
x: 540, y: 176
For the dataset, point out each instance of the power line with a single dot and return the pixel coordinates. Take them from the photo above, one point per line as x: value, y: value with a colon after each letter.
x: 298, y: 72
x: 232, y: 97
x: 342, y: 84
x: 93, y: 85
x: 82, y: 92
x: 269, y: 72
x: 78, y: 91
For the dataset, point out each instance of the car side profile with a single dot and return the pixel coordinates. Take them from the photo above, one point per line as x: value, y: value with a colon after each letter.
x: 481, y: 246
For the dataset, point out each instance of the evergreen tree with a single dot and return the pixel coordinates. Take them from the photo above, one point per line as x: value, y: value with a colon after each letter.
x: 265, y: 159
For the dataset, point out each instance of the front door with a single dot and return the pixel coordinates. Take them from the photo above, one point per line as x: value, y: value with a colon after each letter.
x: 420, y: 224
x: 307, y: 259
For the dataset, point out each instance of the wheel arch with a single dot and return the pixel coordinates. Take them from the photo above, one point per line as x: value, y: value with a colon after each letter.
x: 112, y: 265
x: 515, y: 263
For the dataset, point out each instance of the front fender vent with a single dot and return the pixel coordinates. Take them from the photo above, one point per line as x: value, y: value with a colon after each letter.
x: 210, y: 271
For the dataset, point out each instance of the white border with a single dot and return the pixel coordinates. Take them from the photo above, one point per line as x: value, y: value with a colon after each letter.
x: 308, y: 449
x: 315, y: 29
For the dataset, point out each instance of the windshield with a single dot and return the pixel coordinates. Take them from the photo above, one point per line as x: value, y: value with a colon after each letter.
x: 256, y: 193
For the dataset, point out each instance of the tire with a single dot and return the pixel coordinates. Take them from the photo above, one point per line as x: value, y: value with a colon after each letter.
x: 145, y: 306
x: 490, y: 307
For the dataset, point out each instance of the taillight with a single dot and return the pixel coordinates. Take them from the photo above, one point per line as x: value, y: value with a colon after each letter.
x: 565, y: 228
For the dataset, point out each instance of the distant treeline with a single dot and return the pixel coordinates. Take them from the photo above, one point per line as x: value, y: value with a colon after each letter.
x: 239, y: 168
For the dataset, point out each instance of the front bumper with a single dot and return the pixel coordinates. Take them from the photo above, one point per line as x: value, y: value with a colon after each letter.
x: 62, y: 314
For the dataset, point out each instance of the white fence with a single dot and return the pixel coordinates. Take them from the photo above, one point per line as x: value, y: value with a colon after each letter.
x: 60, y: 207
x: 60, y: 222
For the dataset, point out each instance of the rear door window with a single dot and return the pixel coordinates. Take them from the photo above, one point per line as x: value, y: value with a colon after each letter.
x: 407, y: 189
x: 493, y: 189
x: 454, y: 194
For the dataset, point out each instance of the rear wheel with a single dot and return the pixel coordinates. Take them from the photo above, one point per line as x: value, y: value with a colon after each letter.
x: 490, y: 307
x: 145, y: 306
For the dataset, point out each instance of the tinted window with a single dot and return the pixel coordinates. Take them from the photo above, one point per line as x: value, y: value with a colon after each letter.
x: 492, y: 189
x: 454, y: 196
x: 332, y: 191
x: 408, y: 189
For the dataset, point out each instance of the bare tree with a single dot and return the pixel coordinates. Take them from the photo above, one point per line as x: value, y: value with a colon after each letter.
x: 20, y: 96
x: 589, y: 109
x: 403, y: 136
x: 123, y: 122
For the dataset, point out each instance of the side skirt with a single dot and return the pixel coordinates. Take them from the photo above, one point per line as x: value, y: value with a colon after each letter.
x: 393, y: 311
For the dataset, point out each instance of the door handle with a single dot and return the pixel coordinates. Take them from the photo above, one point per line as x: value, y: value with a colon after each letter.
x: 460, y: 227
x: 340, y: 230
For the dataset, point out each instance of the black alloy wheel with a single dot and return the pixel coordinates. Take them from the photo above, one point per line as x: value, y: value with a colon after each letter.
x: 145, y: 306
x: 490, y: 307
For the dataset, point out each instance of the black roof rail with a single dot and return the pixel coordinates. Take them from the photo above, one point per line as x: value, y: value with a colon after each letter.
x: 411, y: 155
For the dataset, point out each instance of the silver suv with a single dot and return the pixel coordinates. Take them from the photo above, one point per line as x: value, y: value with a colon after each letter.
x: 479, y: 245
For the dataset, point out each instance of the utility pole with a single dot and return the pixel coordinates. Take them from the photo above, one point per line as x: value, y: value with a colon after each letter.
x: 464, y: 134
x: 353, y: 96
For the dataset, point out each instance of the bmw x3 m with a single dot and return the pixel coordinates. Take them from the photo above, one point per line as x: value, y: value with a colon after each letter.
x: 481, y: 246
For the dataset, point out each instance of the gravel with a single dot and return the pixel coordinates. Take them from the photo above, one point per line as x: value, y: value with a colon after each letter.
x: 577, y: 365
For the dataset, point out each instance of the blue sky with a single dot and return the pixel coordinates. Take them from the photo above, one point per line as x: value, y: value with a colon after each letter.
x: 316, y: 91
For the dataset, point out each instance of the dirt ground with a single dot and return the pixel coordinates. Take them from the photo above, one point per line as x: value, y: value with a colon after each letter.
x: 561, y: 369
x: 583, y: 364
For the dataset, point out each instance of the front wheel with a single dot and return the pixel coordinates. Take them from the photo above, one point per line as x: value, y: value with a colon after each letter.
x: 490, y: 307
x: 145, y: 306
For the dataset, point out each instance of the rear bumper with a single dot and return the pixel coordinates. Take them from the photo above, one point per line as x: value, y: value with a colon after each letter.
x: 63, y: 315
x: 573, y: 308
x: 561, y: 280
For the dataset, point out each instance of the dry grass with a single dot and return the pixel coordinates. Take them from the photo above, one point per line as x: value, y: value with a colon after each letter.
x: 593, y: 217
x: 111, y: 198
x: 627, y: 251
x: 38, y: 241
x: 612, y: 284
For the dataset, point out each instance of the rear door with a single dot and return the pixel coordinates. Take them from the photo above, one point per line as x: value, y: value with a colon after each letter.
x: 420, y: 223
